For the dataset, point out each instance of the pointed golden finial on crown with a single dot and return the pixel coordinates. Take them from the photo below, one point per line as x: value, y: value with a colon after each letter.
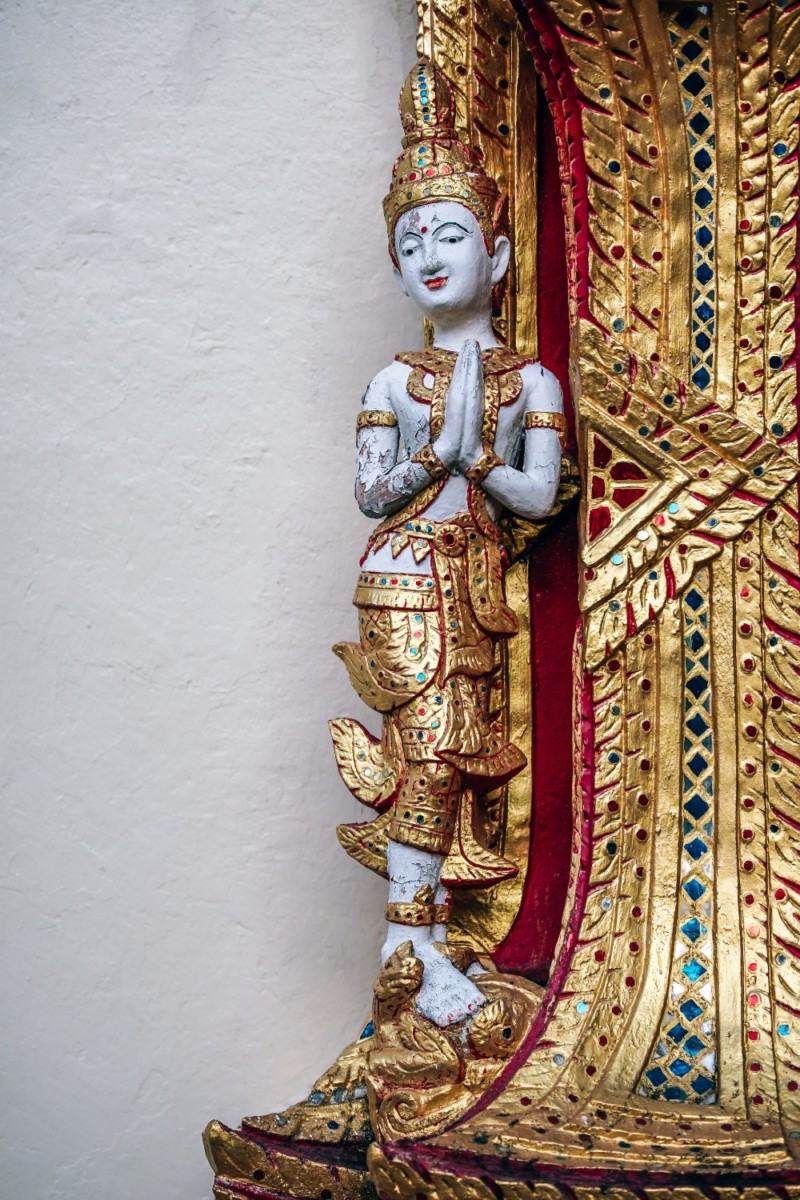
x: 435, y: 163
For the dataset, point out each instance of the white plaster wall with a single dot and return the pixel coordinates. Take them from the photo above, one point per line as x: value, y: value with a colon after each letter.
x: 195, y: 290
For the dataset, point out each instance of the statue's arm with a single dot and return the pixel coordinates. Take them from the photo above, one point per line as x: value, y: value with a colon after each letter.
x: 531, y: 492
x: 384, y: 485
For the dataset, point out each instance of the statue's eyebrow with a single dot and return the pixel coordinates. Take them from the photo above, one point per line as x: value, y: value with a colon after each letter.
x: 454, y: 224
x: 445, y: 225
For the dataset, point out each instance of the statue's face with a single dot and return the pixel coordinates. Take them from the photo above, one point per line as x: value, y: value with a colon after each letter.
x: 443, y: 263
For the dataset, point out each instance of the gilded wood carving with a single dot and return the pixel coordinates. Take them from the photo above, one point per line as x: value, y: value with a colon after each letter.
x: 661, y: 1055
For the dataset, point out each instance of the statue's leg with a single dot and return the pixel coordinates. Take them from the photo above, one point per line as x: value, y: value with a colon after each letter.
x: 410, y: 869
x: 446, y: 995
x: 441, y: 899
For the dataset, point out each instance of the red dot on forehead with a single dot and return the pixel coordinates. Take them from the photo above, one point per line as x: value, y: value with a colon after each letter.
x: 424, y: 229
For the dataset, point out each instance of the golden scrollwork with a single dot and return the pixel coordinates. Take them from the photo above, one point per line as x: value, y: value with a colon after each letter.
x: 421, y: 1078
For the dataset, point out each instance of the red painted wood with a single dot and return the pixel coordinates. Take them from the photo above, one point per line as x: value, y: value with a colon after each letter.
x: 554, y: 610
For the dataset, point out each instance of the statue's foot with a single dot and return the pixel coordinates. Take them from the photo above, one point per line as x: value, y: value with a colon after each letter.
x: 476, y: 969
x: 446, y: 996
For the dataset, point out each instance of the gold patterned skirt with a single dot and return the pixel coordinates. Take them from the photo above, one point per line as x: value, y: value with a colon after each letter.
x: 425, y: 660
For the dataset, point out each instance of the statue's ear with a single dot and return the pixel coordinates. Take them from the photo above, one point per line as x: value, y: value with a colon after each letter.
x: 500, y: 258
x: 401, y: 283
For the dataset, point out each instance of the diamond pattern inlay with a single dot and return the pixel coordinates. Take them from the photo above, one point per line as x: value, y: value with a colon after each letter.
x: 696, y: 807
x: 696, y: 848
x: 693, y: 1055
x: 691, y: 48
x: 686, y: 1049
x: 692, y: 929
x: 691, y: 1010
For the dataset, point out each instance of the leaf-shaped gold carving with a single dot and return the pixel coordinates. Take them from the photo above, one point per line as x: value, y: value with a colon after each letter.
x: 366, y: 842
x: 398, y: 654
x: 369, y: 767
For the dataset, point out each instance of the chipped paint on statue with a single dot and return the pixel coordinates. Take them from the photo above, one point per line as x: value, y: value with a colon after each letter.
x: 447, y: 439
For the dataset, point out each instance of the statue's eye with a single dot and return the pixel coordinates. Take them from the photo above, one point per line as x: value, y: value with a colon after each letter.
x: 408, y: 250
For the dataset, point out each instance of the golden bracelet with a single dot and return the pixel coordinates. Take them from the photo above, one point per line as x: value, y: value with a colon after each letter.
x: 486, y: 463
x: 416, y: 914
x: 548, y: 420
x: 429, y: 459
x: 374, y: 416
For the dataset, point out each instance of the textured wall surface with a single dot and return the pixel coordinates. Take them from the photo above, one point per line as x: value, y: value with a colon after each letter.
x: 195, y: 292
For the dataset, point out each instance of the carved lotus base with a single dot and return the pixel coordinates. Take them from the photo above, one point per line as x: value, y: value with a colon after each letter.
x: 414, y: 1112
x: 252, y: 1164
x: 325, y: 1149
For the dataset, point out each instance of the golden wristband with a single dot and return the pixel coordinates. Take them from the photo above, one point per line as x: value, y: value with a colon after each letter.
x: 486, y: 463
x: 429, y: 459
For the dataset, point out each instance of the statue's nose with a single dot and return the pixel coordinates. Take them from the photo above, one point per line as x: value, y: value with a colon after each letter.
x: 431, y: 264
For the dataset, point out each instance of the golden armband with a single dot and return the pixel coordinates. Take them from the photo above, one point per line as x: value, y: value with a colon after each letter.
x: 429, y: 459
x: 548, y: 420
x: 371, y: 417
x: 485, y: 464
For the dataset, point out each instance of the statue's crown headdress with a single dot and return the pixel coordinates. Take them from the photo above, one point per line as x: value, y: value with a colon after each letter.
x: 435, y: 164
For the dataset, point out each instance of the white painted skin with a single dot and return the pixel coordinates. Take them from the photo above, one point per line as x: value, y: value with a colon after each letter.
x: 445, y: 995
x: 446, y: 269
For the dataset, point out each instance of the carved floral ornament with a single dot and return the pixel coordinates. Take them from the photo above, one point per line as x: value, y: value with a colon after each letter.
x: 657, y: 1052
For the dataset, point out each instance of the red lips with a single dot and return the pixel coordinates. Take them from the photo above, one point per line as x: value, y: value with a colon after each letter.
x: 433, y: 284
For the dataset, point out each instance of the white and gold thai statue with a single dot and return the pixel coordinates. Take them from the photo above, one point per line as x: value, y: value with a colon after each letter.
x: 449, y: 438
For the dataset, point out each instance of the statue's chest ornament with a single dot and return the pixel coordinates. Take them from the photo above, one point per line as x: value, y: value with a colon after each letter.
x: 432, y: 371
x: 428, y: 383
